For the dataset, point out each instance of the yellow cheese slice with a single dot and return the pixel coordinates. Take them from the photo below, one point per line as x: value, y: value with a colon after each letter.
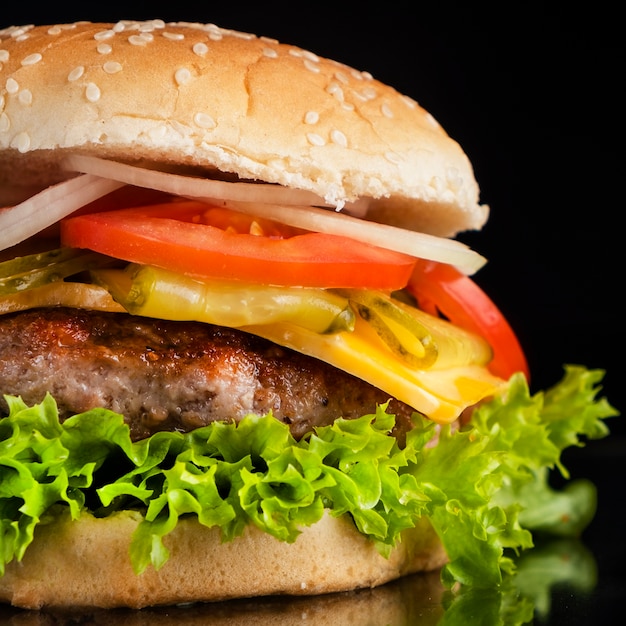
x: 440, y: 394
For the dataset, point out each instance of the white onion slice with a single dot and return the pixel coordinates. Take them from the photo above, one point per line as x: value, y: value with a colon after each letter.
x: 293, y: 207
x: 199, y: 188
x: 46, y: 208
x: 409, y: 242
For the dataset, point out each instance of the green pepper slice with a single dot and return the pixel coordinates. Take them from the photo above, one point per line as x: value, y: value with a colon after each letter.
x: 419, y: 339
x: 44, y: 268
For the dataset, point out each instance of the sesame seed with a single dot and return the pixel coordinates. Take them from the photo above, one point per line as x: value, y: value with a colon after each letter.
x: 55, y: 30
x: 21, y: 142
x: 112, y: 67
x: 173, y: 36
x: 4, y: 56
x: 270, y: 53
x: 18, y: 32
x: 32, y: 59
x: 385, y: 109
x: 307, y: 54
x: 92, y: 92
x: 4, y: 122
x: 393, y: 157
x: 335, y: 90
x: 342, y: 78
x: 103, y: 35
x: 240, y: 35
x: 76, y: 73
x: 104, y: 48
x: 157, y: 134
x: 311, y: 117
x: 200, y: 48
x: 25, y: 97
x: 339, y: 138
x: 137, y: 40
x: 215, y: 35
x: 312, y: 66
x: 315, y: 139
x: 409, y: 102
x: 182, y: 76
x: 268, y: 40
x: 12, y: 86
x: 204, y: 121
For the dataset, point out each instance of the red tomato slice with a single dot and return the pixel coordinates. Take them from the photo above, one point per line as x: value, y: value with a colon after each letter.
x: 197, y: 240
x: 441, y: 289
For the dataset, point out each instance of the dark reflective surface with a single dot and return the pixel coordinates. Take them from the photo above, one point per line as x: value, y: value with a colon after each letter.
x: 412, y: 600
x: 601, y: 462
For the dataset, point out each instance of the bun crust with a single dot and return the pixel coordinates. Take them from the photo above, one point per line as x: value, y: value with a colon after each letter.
x: 85, y: 563
x: 193, y: 95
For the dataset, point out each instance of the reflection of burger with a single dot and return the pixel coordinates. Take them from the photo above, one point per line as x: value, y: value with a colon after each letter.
x: 417, y: 599
x: 241, y: 354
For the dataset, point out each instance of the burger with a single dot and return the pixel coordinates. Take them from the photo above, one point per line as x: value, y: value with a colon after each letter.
x: 242, y: 351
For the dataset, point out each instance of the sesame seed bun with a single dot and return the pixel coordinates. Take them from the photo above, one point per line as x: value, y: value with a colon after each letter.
x: 219, y: 101
x: 64, y: 567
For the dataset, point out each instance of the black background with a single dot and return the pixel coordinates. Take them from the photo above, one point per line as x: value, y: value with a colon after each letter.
x: 534, y: 95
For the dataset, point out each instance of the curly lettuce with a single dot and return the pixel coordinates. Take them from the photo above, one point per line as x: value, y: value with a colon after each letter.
x: 483, y: 487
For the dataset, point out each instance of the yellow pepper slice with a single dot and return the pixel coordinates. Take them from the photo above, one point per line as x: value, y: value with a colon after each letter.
x: 155, y: 292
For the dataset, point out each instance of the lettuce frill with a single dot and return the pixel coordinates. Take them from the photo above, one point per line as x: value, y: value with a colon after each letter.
x: 483, y: 487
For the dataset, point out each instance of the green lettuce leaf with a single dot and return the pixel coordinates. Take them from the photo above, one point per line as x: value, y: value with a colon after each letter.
x: 480, y: 486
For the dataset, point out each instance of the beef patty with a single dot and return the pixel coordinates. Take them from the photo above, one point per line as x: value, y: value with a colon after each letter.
x: 164, y: 375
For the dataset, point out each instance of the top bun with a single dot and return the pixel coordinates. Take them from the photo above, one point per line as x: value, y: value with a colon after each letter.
x: 196, y: 96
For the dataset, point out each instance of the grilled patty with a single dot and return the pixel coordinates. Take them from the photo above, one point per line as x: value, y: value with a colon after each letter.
x: 165, y: 375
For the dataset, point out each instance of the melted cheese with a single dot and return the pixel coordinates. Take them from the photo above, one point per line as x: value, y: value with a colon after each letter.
x: 440, y: 394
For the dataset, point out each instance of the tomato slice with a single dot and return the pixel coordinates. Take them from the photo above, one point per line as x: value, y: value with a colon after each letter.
x: 441, y: 289
x: 201, y: 241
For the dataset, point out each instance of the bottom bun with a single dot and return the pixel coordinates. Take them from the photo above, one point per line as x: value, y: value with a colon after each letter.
x: 85, y: 563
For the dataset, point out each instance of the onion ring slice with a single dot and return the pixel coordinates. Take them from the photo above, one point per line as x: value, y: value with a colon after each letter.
x: 409, y: 242
x: 47, y: 207
x: 199, y: 188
